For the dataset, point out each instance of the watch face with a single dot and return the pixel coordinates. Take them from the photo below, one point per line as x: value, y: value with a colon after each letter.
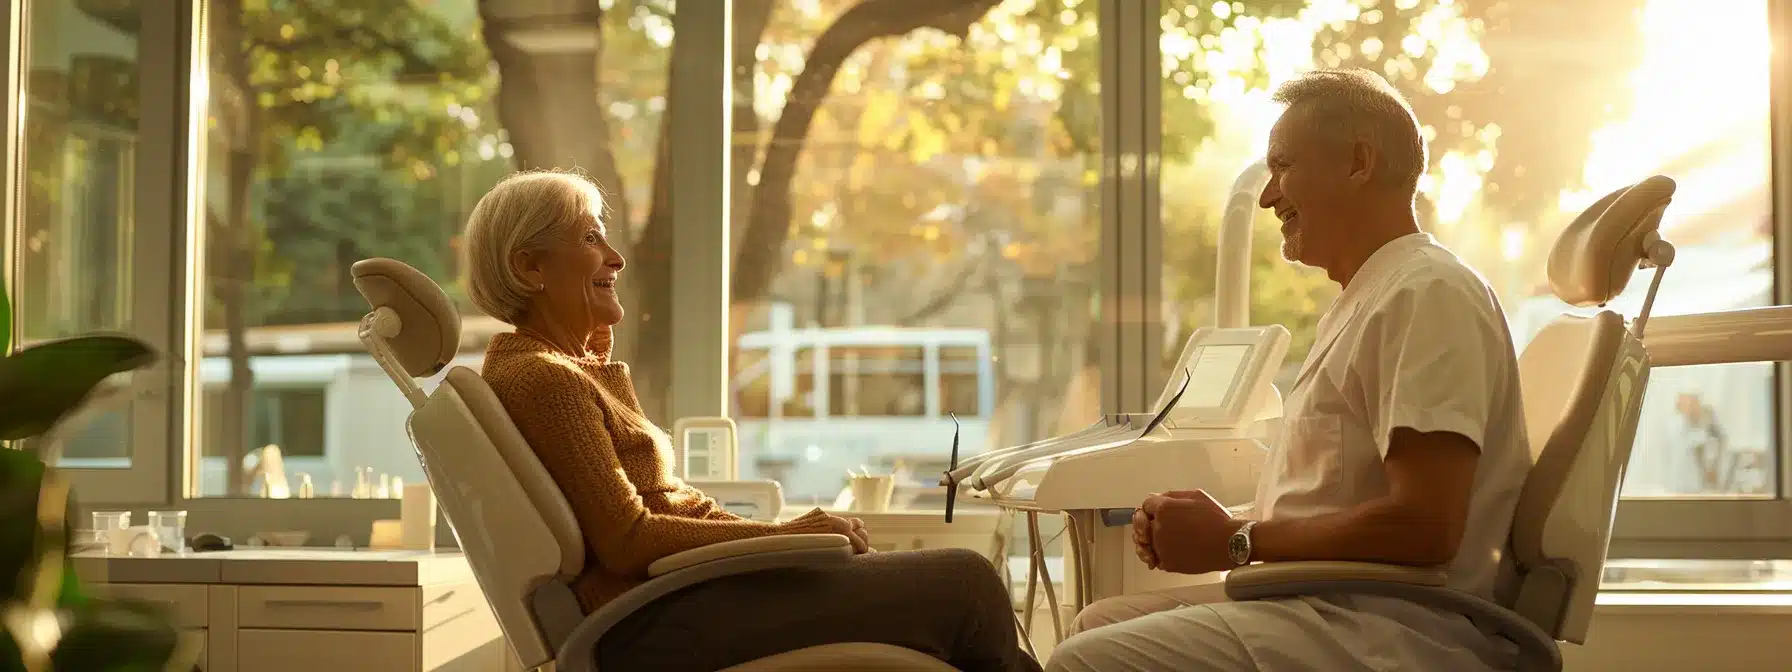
x: 1239, y: 546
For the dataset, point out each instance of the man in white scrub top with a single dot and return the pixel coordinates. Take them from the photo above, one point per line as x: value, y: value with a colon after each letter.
x: 1403, y: 440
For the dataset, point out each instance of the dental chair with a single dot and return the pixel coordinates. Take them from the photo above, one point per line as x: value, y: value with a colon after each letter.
x: 1583, y: 380
x: 513, y: 523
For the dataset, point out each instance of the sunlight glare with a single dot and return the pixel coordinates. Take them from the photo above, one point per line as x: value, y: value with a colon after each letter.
x: 1698, y: 53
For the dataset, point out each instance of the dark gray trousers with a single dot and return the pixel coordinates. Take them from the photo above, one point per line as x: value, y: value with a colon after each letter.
x: 948, y: 603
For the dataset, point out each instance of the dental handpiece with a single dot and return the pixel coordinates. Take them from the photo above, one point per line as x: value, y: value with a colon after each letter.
x: 969, y: 466
x: 997, y: 470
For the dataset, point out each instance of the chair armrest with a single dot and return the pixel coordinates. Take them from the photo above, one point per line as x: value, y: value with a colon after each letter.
x: 1254, y: 579
x: 735, y: 549
x: 578, y: 652
x: 1537, y: 650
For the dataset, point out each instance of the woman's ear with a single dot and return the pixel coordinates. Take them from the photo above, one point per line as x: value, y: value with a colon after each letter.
x: 528, y: 267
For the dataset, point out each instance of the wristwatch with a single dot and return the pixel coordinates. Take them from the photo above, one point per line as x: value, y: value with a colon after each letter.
x: 1239, y: 545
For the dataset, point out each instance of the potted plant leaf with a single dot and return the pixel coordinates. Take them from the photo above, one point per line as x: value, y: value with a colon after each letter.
x: 46, y: 622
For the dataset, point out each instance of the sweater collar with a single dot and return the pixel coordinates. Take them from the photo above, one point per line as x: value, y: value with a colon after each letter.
x: 600, y: 345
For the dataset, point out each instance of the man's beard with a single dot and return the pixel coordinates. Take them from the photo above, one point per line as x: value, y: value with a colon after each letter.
x: 1291, y: 245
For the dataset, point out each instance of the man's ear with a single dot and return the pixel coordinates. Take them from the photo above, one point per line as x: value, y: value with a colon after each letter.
x: 1362, y: 163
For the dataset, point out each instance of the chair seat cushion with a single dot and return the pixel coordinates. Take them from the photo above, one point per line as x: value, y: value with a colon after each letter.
x: 858, y: 656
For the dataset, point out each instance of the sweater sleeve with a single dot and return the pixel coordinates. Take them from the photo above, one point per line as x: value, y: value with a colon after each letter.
x: 557, y: 411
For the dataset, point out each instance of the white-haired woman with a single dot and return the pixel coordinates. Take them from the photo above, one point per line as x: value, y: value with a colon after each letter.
x: 539, y: 260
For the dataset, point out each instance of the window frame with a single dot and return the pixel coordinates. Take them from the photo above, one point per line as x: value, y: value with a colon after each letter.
x: 158, y: 192
x: 1752, y: 528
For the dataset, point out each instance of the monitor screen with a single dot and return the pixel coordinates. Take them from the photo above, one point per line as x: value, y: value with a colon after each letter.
x: 1214, y: 370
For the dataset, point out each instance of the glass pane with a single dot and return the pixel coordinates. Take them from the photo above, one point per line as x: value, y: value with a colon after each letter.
x: 340, y: 134
x: 76, y: 224
x: 1635, y: 88
x: 931, y: 226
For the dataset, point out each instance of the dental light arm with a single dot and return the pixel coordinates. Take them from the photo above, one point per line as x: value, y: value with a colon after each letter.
x: 1232, y: 293
x: 1727, y: 337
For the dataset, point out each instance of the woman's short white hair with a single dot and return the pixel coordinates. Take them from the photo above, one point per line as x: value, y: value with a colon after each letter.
x: 525, y: 211
x: 1347, y: 105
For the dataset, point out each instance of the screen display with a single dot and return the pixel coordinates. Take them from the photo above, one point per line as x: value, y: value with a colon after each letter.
x: 1214, y: 370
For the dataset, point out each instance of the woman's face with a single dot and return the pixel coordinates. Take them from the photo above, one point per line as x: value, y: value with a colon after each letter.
x: 576, y: 277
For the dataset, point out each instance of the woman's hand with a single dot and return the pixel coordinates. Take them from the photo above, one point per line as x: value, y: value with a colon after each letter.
x: 854, y: 530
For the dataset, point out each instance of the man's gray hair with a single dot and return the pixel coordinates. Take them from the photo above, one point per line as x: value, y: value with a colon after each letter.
x: 1349, y: 105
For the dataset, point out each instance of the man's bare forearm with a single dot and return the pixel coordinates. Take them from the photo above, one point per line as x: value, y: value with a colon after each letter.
x: 1377, y: 531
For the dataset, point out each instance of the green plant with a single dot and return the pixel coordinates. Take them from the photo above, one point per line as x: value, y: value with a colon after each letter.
x: 46, y: 622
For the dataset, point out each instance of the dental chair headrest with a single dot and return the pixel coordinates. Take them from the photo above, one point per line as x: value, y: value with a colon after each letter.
x: 1596, y: 254
x: 430, y: 332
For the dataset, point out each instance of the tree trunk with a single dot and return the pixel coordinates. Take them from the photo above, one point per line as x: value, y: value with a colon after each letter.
x: 750, y: 20
x: 548, y: 102
x: 236, y: 260
x: 768, y: 226
x: 233, y: 294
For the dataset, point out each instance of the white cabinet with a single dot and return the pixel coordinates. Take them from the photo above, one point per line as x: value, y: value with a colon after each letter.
x: 315, y: 610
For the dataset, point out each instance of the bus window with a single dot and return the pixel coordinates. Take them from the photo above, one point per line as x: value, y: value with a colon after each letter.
x: 961, y: 371
x: 753, y: 391
x: 290, y: 417
x: 877, y: 381
x: 801, y: 403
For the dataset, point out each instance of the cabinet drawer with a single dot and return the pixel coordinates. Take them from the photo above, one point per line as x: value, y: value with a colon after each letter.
x: 314, y: 650
x: 327, y: 608
x: 186, y: 602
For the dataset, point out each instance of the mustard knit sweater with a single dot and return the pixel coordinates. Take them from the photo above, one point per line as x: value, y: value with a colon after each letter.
x: 580, y: 415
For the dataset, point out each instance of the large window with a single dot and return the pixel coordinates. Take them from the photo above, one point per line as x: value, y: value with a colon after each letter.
x: 339, y: 132
x: 915, y: 202
x: 1532, y: 110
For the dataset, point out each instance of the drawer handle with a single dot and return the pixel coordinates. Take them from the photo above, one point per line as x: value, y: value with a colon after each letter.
x: 357, y: 605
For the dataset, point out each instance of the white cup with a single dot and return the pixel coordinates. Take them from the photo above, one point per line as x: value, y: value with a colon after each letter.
x: 871, y: 494
x: 137, y: 541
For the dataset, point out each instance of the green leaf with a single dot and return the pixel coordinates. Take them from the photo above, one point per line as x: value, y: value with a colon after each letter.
x: 41, y: 384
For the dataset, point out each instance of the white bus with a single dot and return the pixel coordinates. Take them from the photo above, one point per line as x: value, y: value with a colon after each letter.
x: 812, y: 404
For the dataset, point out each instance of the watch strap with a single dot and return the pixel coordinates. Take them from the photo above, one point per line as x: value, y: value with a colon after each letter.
x: 1239, y: 547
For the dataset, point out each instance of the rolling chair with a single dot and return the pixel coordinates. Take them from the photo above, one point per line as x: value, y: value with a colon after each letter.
x: 1582, y: 382
x: 513, y: 523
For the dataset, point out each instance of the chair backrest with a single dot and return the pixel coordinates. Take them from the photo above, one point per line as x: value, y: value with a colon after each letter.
x: 510, y: 519
x: 1583, y: 380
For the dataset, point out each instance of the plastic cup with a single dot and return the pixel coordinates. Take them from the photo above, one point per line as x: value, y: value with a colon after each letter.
x: 171, y: 529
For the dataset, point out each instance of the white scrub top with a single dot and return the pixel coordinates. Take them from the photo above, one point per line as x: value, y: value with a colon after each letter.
x: 1417, y: 339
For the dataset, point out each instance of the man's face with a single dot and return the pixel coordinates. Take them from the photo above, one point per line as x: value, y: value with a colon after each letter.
x: 1308, y: 186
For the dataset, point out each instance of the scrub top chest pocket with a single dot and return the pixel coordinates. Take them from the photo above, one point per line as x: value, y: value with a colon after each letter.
x: 1311, y: 453
x: 1305, y: 475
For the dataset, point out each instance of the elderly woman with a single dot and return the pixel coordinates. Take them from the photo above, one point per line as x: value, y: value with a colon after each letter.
x: 539, y: 259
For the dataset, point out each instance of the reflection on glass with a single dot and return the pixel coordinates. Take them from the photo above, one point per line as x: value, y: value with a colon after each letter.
x: 1634, y: 88
x: 76, y: 220
x: 344, y: 131
x: 923, y: 244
